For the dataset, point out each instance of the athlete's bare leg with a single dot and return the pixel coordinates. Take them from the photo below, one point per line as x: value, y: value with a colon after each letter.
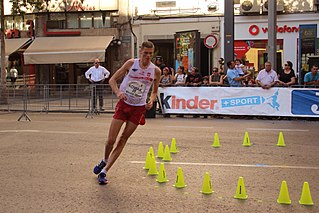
x: 113, y: 133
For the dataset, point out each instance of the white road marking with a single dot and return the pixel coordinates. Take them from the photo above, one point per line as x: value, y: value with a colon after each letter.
x: 190, y: 127
x: 235, y: 165
x: 39, y: 131
x: 286, y: 130
x: 252, y: 129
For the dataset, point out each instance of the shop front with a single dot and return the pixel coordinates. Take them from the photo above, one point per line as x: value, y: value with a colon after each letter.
x: 251, y: 39
x: 63, y: 60
x: 181, y: 40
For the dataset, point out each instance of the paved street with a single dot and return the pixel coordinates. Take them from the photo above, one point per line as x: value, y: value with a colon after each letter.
x: 46, y: 165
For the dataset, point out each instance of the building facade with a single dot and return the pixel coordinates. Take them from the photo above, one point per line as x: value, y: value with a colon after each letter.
x: 178, y: 29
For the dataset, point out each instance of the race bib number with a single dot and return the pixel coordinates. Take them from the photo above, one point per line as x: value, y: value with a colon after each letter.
x: 135, y: 89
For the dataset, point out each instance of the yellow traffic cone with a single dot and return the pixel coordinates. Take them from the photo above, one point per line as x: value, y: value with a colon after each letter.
x: 151, y: 150
x: 246, y: 141
x: 161, y: 178
x: 306, y: 198
x: 216, y: 143
x: 207, y: 185
x: 173, y: 146
x: 160, y: 150
x: 167, y: 154
x: 284, y: 194
x: 147, y: 161
x: 153, y: 168
x: 281, y: 140
x: 180, y: 183
x: 240, y: 190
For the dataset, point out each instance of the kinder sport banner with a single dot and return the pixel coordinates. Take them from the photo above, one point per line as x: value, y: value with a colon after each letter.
x: 301, y: 102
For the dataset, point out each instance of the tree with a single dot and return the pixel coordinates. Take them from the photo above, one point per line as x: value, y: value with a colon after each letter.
x: 19, y: 7
x: 3, y: 86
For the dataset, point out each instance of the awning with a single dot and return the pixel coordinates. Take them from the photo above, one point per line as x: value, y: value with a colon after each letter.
x: 12, y: 45
x: 56, y: 50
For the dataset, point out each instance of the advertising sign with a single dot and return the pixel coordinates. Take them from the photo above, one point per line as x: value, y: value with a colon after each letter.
x: 276, y: 101
x: 187, y: 49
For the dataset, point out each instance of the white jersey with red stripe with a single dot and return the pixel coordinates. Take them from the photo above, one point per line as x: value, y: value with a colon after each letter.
x: 137, y: 83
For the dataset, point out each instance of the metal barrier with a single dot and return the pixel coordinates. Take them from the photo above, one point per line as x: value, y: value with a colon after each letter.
x: 56, y: 98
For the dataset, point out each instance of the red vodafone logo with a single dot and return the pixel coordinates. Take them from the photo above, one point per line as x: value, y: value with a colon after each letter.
x: 254, y: 29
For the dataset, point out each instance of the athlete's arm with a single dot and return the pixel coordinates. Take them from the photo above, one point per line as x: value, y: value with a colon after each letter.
x: 120, y: 73
x: 154, y: 88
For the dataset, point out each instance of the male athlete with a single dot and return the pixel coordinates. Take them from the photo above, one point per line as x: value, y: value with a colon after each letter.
x: 139, y: 75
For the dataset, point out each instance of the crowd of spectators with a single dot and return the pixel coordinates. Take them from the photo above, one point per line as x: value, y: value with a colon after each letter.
x: 236, y: 76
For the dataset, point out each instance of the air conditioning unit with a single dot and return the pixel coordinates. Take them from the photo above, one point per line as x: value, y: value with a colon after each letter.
x: 280, y: 6
x: 249, y: 6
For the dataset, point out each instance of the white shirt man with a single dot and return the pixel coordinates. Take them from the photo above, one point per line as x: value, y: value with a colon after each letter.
x: 97, y: 73
x: 267, y: 77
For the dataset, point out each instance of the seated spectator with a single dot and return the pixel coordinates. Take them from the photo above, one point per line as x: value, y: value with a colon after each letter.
x: 171, y: 71
x: 216, y: 78
x: 267, y: 77
x: 249, y: 81
x: 205, y: 81
x: 194, y: 78
x: 239, y: 67
x: 234, y: 79
x: 159, y: 62
x: 166, y: 79
x: 180, y: 76
x: 221, y: 62
x: 287, y: 76
x: 312, y: 78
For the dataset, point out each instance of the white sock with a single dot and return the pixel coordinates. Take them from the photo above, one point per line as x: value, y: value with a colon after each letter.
x: 103, y: 170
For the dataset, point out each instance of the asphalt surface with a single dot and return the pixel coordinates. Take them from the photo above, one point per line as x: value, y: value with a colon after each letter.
x: 46, y: 165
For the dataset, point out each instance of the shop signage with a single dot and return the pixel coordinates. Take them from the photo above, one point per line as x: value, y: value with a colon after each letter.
x: 255, y: 29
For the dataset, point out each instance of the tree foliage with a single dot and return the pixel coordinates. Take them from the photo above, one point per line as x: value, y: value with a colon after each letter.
x: 20, y: 7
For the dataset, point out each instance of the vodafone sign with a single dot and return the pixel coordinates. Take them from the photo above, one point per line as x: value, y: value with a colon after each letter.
x: 255, y: 29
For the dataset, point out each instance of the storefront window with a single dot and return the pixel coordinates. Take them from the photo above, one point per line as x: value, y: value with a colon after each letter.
x: 98, y: 23
x: 57, y: 16
x: 86, y: 20
x: 72, y: 21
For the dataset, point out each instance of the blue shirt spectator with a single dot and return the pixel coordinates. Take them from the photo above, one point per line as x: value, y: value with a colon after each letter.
x: 312, y: 78
x: 233, y: 76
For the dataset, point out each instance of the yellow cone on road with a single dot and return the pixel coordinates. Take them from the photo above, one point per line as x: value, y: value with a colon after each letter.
x: 147, y: 161
x: 284, y: 197
x: 167, y: 154
x: 216, y: 143
x: 180, y: 183
x: 246, y: 141
x: 160, y: 150
x: 281, y: 140
x: 161, y: 178
x: 240, y: 190
x: 207, y: 185
x: 306, y: 198
x: 173, y: 148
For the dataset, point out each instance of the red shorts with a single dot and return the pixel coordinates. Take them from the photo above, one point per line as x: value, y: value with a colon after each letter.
x: 125, y: 112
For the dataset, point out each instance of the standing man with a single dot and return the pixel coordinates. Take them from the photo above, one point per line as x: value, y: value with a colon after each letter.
x: 13, y: 74
x: 139, y: 75
x: 97, y: 75
x: 267, y: 77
